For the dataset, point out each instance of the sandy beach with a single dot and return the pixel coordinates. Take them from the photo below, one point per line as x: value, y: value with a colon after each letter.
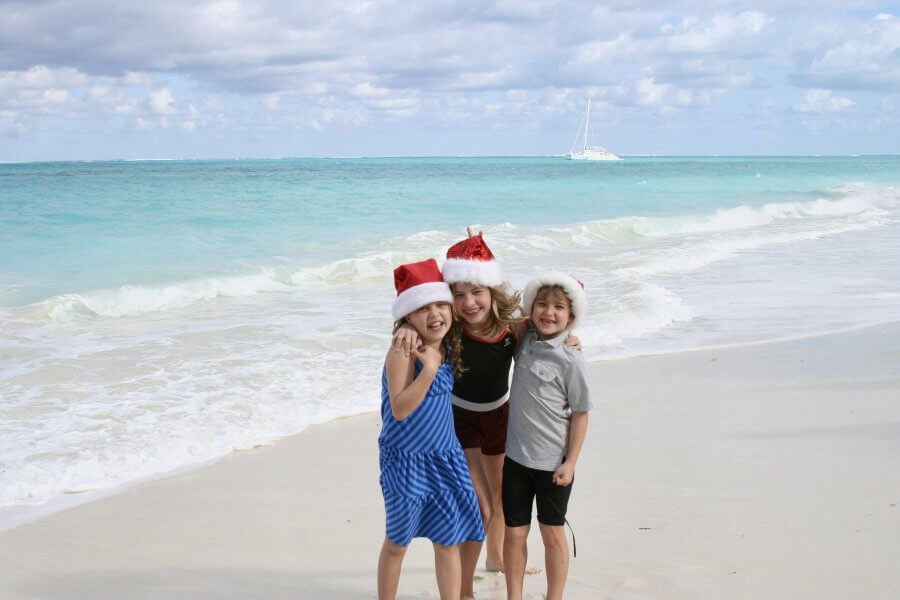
x: 753, y: 472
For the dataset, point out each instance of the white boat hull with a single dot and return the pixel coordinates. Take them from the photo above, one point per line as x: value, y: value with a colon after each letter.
x: 592, y: 155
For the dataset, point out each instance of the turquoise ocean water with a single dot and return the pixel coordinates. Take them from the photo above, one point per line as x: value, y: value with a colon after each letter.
x: 158, y: 314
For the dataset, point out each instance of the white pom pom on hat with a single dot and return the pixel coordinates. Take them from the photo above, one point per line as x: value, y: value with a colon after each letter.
x: 572, y: 287
x: 418, y: 284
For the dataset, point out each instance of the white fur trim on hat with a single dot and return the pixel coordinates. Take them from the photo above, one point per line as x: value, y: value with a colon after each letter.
x: 418, y: 296
x: 481, y: 272
x: 571, y: 286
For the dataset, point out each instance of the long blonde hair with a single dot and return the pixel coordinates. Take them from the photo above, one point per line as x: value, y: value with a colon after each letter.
x: 504, y: 306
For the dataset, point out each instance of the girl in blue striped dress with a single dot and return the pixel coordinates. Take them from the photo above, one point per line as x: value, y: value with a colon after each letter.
x: 424, y: 476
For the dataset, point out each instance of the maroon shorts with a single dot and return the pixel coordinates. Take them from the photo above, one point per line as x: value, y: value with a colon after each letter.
x: 485, y: 430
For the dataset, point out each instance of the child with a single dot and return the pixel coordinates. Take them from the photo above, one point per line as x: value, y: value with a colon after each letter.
x: 424, y: 478
x: 480, y: 393
x: 548, y: 420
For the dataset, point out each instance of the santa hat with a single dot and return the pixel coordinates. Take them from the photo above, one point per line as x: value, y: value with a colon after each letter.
x: 572, y: 287
x: 471, y: 261
x: 418, y: 284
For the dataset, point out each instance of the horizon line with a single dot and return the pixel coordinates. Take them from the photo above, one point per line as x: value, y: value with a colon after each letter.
x: 430, y: 156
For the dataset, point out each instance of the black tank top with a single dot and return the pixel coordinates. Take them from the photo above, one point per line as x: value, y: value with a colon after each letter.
x: 488, y: 363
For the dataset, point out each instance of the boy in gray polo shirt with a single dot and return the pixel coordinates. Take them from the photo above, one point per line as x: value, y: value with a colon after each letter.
x: 549, y: 402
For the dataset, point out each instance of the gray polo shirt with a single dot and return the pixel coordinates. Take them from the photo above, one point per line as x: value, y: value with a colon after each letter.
x: 549, y: 384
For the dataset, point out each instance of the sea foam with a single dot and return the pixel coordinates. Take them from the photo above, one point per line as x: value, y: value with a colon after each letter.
x: 746, y: 228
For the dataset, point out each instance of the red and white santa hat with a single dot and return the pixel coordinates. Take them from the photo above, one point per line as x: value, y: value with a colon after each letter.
x: 573, y: 288
x: 471, y: 261
x: 418, y: 284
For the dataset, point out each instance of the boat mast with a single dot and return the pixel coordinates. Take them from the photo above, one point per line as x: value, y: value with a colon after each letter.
x: 587, y: 125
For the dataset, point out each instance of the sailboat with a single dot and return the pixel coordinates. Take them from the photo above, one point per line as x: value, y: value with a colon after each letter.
x: 586, y: 152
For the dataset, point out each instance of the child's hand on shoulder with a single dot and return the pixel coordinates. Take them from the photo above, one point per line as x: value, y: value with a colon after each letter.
x: 406, y: 339
x: 573, y: 341
x: 429, y: 357
x: 564, y: 474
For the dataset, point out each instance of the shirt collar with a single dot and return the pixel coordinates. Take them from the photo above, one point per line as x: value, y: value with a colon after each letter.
x: 556, y: 341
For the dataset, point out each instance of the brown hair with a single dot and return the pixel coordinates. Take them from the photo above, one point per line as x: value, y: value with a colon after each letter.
x: 558, y: 289
x: 453, y: 338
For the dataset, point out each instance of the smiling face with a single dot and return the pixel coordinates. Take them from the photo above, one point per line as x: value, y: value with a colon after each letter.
x: 551, y: 312
x: 472, y: 303
x: 432, y: 321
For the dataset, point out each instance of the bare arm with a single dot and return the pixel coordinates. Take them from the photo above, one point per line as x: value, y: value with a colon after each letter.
x: 518, y: 329
x: 577, y: 432
x: 407, y: 391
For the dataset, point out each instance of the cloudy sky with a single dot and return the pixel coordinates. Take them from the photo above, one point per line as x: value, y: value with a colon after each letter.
x: 95, y: 79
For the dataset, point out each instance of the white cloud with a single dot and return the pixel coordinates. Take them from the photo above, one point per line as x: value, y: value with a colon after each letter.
x: 336, y: 116
x: 39, y: 89
x: 648, y: 92
x: 127, y: 107
x: 162, y: 102
x: 143, y: 124
x: 10, y: 125
x: 42, y: 77
x: 136, y: 79
x: 395, y: 103
x: 112, y: 100
x: 870, y: 55
x: 215, y: 104
x: 823, y: 101
x: 55, y: 96
x: 272, y: 101
x: 367, y: 90
x: 403, y: 105
x: 651, y: 93
x: 719, y: 33
x: 865, y: 55
x: 606, y: 51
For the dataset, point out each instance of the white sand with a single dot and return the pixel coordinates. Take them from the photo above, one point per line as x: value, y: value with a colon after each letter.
x: 769, y: 471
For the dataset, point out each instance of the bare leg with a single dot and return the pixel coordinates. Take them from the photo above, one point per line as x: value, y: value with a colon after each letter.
x: 469, y: 551
x: 389, y: 563
x: 468, y: 555
x: 556, y: 557
x: 447, y: 569
x: 515, y: 555
x: 495, y: 528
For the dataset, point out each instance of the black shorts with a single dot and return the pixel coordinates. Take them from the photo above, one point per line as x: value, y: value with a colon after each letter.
x: 484, y: 430
x: 522, y: 486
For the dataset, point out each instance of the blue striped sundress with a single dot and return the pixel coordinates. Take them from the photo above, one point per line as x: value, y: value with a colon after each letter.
x: 424, y: 476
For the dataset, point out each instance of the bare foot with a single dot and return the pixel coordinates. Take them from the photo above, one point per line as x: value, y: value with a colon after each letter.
x: 493, y: 567
x: 498, y: 568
